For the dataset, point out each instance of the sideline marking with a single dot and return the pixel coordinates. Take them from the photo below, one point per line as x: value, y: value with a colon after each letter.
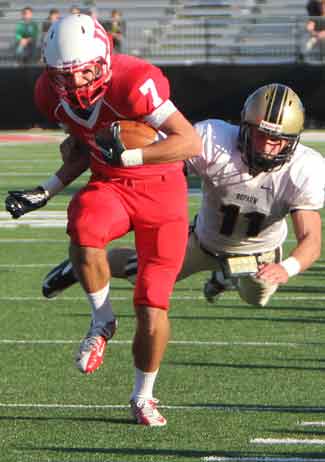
x: 288, y: 441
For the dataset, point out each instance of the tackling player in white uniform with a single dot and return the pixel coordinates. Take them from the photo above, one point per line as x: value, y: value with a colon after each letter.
x: 253, y: 176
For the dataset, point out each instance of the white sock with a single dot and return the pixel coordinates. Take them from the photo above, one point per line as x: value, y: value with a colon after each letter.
x: 144, y: 383
x: 101, y: 306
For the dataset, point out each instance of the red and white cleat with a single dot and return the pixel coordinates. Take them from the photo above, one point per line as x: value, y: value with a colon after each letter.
x: 91, y: 352
x: 145, y: 412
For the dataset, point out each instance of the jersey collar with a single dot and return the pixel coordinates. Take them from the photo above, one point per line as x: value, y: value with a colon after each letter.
x: 88, y: 123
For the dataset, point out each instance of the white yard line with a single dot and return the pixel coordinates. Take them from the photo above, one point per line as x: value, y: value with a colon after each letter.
x: 32, y: 265
x: 32, y: 241
x: 43, y: 299
x: 312, y: 424
x: 191, y: 407
x: 39, y: 265
x: 44, y: 219
x: 260, y: 459
x: 64, y: 406
x: 99, y: 406
x: 39, y: 214
x: 48, y: 219
x: 33, y: 224
x: 172, y: 342
x: 19, y: 240
x: 47, y: 241
x: 30, y: 161
x: 11, y: 174
x: 288, y: 441
x: 278, y: 298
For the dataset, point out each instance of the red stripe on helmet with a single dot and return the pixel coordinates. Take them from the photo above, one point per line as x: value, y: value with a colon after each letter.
x: 100, y: 33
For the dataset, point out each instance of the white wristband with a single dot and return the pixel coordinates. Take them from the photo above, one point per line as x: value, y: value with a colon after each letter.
x: 53, y: 186
x: 132, y: 157
x: 291, y: 265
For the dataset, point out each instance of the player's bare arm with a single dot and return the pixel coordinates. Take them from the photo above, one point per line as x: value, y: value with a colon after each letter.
x: 307, y: 228
x: 182, y: 142
x: 72, y: 149
x: 129, y: 143
x: 69, y: 171
x: 75, y: 156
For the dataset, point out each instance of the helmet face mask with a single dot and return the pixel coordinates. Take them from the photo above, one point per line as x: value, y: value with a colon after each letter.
x: 78, y: 44
x: 276, y: 112
x: 85, y: 95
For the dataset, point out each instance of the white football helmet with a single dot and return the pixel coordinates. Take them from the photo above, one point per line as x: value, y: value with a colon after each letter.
x: 73, y: 44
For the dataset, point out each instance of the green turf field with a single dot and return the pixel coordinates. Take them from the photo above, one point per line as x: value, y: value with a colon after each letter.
x: 237, y: 384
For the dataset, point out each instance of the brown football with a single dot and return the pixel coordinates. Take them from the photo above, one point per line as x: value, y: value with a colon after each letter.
x: 135, y: 134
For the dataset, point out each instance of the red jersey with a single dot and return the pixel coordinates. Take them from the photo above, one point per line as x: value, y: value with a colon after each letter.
x: 137, y: 91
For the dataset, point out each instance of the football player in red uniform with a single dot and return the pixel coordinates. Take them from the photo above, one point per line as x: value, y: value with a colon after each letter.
x: 85, y: 88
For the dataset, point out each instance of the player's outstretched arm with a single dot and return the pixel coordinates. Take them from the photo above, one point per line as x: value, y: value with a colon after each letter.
x: 20, y: 202
x: 307, y: 227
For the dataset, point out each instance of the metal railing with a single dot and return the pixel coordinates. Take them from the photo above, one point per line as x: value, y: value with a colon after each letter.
x: 247, y: 39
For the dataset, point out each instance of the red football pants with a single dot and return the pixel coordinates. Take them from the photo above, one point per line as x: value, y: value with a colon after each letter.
x: 155, y: 208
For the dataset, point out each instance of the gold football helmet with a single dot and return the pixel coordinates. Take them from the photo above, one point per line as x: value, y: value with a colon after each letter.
x: 277, y: 111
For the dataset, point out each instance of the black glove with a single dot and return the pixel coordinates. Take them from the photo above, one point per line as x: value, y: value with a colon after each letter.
x: 111, y: 145
x: 20, y: 202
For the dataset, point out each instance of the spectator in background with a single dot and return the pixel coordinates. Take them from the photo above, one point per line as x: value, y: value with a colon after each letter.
x: 53, y: 16
x: 117, y: 28
x: 316, y: 27
x: 74, y: 9
x: 26, y: 37
x: 92, y: 12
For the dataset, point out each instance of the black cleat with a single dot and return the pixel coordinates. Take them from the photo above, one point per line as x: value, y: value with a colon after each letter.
x: 212, y: 289
x: 58, y: 279
x: 216, y: 285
